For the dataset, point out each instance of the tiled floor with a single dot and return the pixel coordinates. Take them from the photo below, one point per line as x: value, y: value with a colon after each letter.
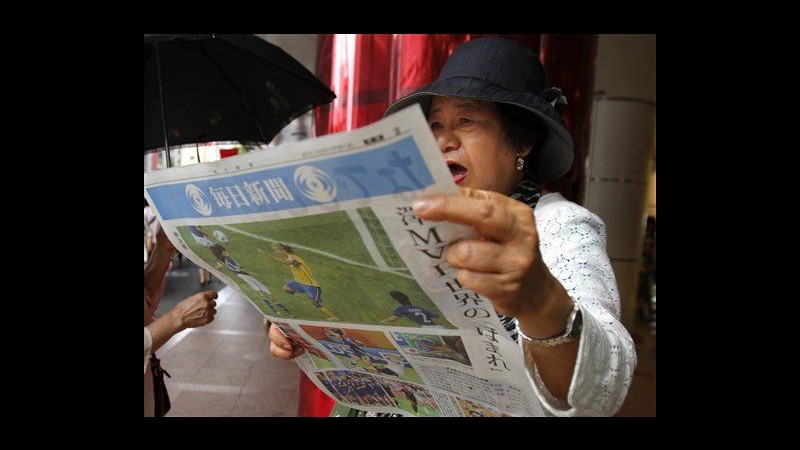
x: 225, y: 369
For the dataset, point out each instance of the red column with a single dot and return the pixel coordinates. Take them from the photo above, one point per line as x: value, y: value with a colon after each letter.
x: 367, y: 73
x: 370, y: 71
x: 357, y: 69
x: 417, y: 59
x: 569, y: 62
x: 312, y: 402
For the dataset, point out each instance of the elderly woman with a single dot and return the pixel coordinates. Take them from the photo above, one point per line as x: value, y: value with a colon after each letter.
x: 540, y: 259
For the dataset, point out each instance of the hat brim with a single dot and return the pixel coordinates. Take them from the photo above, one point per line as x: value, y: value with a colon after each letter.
x: 553, y: 157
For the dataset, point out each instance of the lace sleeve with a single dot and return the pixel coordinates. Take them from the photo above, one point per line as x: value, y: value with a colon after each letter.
x: 573, y: 246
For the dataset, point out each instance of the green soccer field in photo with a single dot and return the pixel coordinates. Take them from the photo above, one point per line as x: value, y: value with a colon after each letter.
x: 409, y: 374
x: 422, y: 410
x: 321, y: 363
x: 355, y: 287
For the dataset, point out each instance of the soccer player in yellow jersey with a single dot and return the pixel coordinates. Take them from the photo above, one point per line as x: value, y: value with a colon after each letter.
x: 304, y: 282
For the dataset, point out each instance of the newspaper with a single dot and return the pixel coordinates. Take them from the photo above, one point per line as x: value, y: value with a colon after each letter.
x: 321, y: 238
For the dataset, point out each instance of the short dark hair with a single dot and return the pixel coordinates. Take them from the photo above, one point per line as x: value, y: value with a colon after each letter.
x: 522, y: 127
x: 400, y: 297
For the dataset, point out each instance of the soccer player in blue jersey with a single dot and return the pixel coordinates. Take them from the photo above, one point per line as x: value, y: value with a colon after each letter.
x: 224, y: 259
x: 420, y: 316
x: 200, y: 236
x: 357, y: 347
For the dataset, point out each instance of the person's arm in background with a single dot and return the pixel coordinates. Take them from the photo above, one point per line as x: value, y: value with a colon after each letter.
x: 158, y: 264
x: 195, y: 311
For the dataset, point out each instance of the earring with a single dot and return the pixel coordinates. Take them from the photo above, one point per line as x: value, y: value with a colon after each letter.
x: 520, y: 162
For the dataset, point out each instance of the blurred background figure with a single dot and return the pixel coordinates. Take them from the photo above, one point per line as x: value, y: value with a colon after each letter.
x: 151, y: 227
x: 205, y: 276
x: 647, y: 282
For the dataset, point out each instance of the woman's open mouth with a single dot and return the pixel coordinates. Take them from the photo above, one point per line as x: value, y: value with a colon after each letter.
x: 459, y: 172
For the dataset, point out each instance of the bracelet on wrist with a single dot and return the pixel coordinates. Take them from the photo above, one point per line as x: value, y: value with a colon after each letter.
x: 571, y: 331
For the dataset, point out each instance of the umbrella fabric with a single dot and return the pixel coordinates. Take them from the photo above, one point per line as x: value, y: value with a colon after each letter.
x: 222, y: 87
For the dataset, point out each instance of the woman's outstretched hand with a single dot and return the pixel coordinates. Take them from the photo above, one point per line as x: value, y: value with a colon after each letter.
x: 504, y: 264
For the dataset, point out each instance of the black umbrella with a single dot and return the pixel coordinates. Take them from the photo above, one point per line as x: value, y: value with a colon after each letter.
x: 222, y: 87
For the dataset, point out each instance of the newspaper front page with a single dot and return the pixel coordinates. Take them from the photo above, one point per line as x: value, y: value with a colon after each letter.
x: 321, y: 238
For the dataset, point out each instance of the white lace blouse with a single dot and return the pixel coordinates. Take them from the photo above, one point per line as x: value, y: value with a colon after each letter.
x: 573, y: 244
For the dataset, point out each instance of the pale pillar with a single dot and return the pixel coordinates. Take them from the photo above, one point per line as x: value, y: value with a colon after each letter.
x: 621, y: 153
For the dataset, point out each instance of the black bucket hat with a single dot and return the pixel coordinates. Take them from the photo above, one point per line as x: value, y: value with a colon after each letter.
x: 503, y: 71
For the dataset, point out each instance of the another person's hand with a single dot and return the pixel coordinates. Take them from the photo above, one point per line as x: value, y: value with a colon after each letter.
x: 280, y: 346
x: 195, y: 311
x: 504, y: 263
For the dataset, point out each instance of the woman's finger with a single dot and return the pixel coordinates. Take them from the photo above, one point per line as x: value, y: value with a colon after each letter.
x: 489, y: 257
x: 490, y: 214
x: 502, y: 290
